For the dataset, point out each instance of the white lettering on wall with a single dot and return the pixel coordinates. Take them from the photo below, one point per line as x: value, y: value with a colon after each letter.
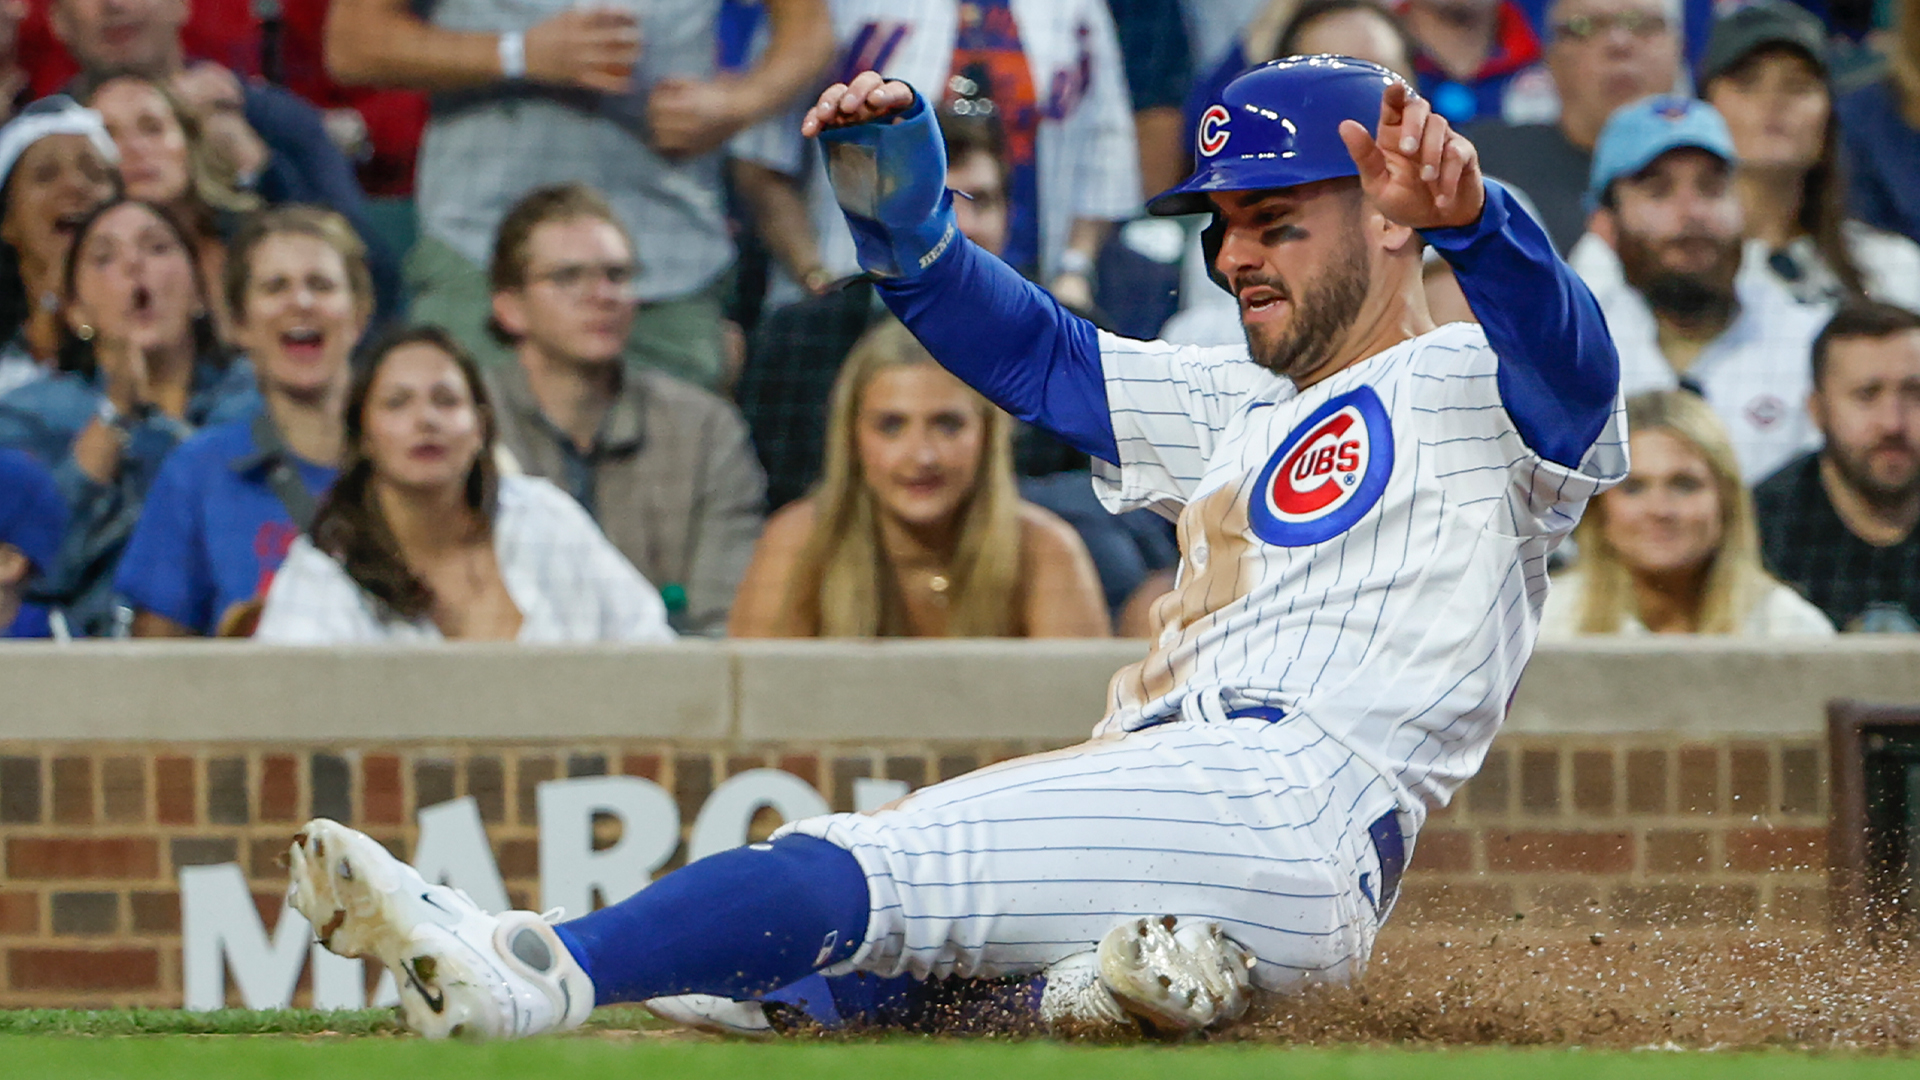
x: 222, y: 931
x: 571, y: 870
x: 453, y: 850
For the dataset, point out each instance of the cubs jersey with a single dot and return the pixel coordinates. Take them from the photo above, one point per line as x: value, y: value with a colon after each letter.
x: 1369, y: 553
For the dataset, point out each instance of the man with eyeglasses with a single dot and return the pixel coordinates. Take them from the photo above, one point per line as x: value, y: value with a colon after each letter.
x: 664, y: 466
x: 1602, y: 54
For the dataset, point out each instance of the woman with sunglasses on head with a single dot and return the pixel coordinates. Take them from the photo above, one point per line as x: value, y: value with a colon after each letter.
x: 141, y: 370
x: 228, y: 505
x: 423, y: 540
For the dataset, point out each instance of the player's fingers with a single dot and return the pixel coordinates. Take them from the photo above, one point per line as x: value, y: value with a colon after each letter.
x: 862, y: 85
x: 1446, y: 186
x: 1392, y: 104
x: 1362, y: 148
x: 1468, y: 182
x: 823, y: 110
x: 889, y: 96
x: 1433, y: 142
x: 1413, y: 126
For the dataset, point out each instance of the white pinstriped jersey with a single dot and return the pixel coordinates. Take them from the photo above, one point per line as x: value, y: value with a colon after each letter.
x: 1369, y: 554
x: 1087, y: 164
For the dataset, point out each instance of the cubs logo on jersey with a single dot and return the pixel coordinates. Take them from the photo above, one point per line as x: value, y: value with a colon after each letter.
x: 1327, y: 473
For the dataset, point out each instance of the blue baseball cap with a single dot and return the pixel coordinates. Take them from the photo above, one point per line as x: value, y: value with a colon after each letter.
x: 1278, y: 125
x: 1636, y: 134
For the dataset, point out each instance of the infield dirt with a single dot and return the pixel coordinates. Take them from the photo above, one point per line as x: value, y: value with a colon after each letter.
x: 1698, y: 989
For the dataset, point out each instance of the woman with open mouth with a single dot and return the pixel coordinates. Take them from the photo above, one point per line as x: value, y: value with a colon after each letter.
x: 140, y: 370
x: 228, y: 505
x: 56, y: 164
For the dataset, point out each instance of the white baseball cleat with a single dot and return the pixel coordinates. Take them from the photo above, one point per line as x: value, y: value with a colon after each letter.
x: 459, y: 970
x: 1176, y: 977
x: 714, y: 1015
x: 1183, y: 977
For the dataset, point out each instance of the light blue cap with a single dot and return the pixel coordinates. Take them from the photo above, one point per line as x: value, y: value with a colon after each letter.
x: 1638, y: 133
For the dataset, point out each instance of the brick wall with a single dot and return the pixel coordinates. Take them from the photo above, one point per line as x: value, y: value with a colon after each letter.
x: 1630, y: 831
x: 1618, y: 831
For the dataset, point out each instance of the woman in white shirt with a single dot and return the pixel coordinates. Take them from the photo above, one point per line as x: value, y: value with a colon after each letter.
x: 1673, y: 549
x: 421, y: 539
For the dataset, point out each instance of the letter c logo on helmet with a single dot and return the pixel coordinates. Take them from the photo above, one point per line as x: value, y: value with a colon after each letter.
x: 1213, y: 130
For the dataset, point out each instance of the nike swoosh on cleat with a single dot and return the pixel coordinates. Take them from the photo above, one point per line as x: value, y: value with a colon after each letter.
x: 436, y: 1002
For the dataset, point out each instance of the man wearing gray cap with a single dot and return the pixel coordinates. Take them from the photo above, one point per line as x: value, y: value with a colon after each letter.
x: 1662, y: 255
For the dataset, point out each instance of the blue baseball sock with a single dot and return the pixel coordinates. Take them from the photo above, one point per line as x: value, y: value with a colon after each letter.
x: 736, y: 924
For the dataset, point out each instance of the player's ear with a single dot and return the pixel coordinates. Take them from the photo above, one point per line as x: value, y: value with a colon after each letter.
x: 1388, y: 237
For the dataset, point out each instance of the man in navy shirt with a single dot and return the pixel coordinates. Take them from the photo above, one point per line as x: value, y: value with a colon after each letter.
x: 214, y: 529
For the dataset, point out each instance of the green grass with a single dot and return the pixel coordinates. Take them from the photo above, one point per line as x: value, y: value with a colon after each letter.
x: 296, y: 1044
x: 593, y: 1059
x: 250, y: 1022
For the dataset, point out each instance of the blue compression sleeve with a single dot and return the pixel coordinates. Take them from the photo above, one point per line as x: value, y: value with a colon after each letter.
x: 1000, y: 333
x: 736, y: 924
x: 1558, y: 373
x: 1012, y: 341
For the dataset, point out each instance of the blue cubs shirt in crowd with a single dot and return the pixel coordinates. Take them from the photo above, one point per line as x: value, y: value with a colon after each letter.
x: 212, y: 532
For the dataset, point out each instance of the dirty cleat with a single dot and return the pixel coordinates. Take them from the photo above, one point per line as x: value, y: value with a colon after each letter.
x: 714, y: 1015
x: 459, y: 970
x: 1178, y: 977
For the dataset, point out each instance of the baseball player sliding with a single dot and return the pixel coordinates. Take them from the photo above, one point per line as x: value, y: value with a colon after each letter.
x: 1366, y: 504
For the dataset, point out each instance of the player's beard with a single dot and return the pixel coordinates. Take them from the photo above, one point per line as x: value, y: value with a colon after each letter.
x: 1685, y: 296
x: 1321, y: 314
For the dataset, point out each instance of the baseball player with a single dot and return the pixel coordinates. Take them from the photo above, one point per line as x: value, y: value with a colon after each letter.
x: 1366, y: 504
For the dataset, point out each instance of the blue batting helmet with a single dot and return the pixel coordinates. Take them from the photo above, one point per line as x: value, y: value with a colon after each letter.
x: 1279, y: 125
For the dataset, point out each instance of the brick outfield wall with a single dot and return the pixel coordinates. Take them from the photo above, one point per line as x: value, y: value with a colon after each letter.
x: 1602, y: 832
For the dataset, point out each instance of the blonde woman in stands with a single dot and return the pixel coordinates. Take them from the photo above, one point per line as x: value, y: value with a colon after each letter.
x: 917, y: 528
x: 1673, y: 549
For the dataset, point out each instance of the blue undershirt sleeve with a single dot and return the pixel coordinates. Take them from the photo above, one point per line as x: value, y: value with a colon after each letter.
x: 1012, y: 341
x: 1558, y: 373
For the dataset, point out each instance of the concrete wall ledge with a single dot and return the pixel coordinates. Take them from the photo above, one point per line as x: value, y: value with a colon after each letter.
x: 767, y: 691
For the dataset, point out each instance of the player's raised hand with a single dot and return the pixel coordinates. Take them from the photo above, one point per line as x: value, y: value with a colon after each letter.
x: 1416, y: 168
x: 867, y: 97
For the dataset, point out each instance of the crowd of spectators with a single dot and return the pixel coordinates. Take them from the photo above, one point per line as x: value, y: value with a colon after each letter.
x: 380, y: 320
